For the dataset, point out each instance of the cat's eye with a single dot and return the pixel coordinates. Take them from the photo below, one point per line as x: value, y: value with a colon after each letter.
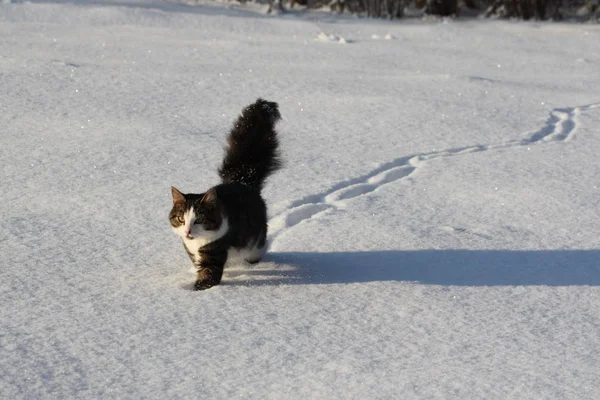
x: 198, y: 220
x: 180, y: 219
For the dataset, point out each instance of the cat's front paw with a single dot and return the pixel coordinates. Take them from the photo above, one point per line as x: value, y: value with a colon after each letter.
x: 207, y: 278
x: 203, y: 284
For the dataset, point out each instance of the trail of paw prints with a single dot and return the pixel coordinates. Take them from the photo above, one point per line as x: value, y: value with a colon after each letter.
x: 560, y: 126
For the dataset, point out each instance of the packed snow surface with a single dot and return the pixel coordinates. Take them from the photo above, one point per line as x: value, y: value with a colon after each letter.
x: 435, y: 233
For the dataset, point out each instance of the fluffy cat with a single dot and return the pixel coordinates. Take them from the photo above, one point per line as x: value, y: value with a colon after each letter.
x: 231, y: 215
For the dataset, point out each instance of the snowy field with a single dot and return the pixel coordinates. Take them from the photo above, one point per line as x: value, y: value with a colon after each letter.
x: 434, y: 233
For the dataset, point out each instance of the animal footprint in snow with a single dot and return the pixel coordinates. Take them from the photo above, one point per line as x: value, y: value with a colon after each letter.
x: 374, y: 182
x: 295, y: 216
x: 305, y: 212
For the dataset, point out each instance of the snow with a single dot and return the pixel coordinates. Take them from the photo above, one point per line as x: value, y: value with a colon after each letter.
x: 434, y: 233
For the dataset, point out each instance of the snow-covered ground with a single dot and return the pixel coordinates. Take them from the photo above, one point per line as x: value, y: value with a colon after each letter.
x: 434, y: 234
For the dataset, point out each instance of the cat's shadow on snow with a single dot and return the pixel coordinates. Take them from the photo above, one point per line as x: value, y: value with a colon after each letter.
x: 433, y: 267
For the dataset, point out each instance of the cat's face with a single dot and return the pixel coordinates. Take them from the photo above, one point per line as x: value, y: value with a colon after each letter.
x: 195, y: 216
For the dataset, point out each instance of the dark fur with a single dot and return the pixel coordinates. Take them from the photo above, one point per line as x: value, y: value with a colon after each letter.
x: 251, y: 156
x: 252, y: 153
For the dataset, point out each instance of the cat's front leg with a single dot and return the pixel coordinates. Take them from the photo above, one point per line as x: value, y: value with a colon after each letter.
x: 210, y: 269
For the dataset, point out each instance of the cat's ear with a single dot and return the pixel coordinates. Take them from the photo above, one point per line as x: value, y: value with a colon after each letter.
x: 178, y: 197
x: 210, y: 197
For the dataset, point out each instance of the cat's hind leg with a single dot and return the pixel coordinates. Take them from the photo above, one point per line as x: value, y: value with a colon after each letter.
x: 255, y: 254
x: 256, y: 251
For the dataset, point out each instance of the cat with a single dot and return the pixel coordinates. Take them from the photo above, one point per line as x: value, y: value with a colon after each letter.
x: 233, y: 214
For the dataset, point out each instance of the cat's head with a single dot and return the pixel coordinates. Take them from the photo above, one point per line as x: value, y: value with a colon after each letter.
x: 196, y: 215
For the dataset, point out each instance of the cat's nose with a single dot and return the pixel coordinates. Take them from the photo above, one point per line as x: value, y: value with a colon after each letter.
x: 189, y: 233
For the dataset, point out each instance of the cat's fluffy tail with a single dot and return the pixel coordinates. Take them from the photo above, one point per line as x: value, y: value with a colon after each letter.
x: 252, y: 146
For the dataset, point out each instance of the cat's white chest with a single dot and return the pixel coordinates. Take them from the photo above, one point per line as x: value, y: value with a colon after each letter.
x: 194, y: 245
x: 203, y: 238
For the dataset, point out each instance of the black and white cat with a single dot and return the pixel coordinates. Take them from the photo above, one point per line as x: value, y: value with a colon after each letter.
x: 231, y: 216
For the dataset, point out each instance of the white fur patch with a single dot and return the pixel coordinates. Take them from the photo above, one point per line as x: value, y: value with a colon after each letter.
x: 199, y: 236
x: 251, y: 253
x: 204, y: 237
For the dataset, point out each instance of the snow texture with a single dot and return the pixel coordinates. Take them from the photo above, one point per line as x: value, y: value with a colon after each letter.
x: 434, y: 233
